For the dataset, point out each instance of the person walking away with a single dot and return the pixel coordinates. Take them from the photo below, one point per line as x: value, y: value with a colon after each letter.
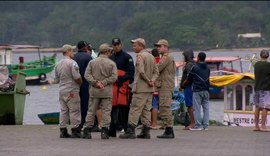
x: 155, y: 100
x: 101, y: 73
x: 199, y: 76
x: 121, y: 89
x: 82, y: 58
x: 189, y: 63
x: 165, y: 85
x: 146, y: 73
x: 68, y: 76
x: 262, y: 90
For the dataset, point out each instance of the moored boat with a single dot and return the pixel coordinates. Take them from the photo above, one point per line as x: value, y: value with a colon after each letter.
x: 218, y: 66
x: 49, y: 118
x: 36, y: 71
x: 238, y: 95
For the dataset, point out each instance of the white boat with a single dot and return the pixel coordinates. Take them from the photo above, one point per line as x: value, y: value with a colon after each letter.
x: 238, y: 97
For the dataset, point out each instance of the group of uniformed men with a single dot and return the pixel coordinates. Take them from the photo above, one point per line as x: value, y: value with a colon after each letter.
x: 113, y: 84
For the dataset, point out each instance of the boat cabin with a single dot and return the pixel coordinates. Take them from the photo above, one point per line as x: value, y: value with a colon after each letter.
x: 227, y: 64
x: 238, y: 98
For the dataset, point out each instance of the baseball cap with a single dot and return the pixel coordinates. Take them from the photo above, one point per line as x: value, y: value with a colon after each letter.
x: 264, y: 54
x: 67, y: 47
x: 104, y: 48
x: 162, y: 42
x: 139, y: 40
x: 116, y: 41
x: 82, y: 44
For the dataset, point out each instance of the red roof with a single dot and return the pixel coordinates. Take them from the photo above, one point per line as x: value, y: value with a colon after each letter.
x: 222, y: 59
x: 212, y: 59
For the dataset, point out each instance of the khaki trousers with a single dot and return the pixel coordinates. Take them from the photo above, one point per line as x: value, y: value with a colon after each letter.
x: 165, y: 112
x: 70, y: 109
x: 140, y: 107
x: 106, y: 106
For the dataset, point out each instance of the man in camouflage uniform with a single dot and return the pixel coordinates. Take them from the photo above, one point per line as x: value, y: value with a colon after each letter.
x: 101, y: 73
x: 146, y: 72
x: 68, y: 76
x: 165, y: 85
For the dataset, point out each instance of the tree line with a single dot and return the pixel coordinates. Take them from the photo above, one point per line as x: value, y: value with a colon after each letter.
x: 185, y: 24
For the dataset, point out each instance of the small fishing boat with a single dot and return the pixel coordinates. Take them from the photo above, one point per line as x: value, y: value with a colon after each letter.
x: 36, y: 71
x: 49, y: 118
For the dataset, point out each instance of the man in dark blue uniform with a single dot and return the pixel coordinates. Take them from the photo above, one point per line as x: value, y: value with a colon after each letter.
x: 82, y: 58
x: 122, y: 94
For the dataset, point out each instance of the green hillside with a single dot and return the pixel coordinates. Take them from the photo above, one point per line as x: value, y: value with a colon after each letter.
x: 186, y: 24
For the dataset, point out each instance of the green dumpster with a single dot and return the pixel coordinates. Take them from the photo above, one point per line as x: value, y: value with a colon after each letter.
x: 12, y: 103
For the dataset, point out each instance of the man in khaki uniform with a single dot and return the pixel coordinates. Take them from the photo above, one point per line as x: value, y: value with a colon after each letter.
x: 165, y: 85
x: 68, y: 76
x: 101, y: 73
x: 146, y: 72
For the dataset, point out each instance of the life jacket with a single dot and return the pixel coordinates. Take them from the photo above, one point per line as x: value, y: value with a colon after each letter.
x: 121, y: 94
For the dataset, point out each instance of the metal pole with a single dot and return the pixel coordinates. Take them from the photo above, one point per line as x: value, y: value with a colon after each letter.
x: 39, y: 58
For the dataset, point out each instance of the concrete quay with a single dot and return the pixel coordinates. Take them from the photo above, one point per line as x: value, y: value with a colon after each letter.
x: 43, y: 140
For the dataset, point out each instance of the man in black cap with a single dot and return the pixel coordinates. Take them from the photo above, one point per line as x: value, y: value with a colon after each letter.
x: 121, y: 91
x: 82, y: 58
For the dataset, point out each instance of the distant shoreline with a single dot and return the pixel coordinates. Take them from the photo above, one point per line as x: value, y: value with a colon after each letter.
x: 58, y: 50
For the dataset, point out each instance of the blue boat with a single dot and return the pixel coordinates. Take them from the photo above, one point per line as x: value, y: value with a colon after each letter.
x: 50, y: 118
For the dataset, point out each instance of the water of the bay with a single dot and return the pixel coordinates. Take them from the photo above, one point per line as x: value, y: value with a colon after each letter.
x: 44, y: 98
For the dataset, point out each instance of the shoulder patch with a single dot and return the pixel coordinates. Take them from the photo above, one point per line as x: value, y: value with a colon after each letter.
x: 139, y: 59
x: 130, y: 60
x: 75, y: 65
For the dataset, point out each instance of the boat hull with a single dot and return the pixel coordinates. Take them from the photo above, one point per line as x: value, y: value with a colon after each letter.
x: 49, y: 118
x: 243, y: 118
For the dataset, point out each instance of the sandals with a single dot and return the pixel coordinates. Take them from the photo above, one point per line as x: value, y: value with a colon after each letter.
x: 256, y: 129
x: 265, y: 130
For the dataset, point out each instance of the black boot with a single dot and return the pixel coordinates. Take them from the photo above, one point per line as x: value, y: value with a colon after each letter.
x: 167, y: 134
x: 145, y: 134
x: 87, y: 133
x: 112, y: 131
x: 129, y: 134
x: 96, y: 129
x: 75, y: 132
x: 104, y: 133
x: 64, y: 133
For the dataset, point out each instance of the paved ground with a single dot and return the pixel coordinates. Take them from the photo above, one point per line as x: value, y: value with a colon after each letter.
x: 36, y: 140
